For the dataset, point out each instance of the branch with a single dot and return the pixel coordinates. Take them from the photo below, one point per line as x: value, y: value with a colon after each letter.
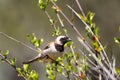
x: 4, y: 58
x: 50, y: 19
x: 80, y: 8
x: 73, y: 26
x: 88, y: 26
x: 18, y: 41
x: 96, y: 59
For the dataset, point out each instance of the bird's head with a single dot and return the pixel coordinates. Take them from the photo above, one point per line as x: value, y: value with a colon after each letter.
x: 62, y: 40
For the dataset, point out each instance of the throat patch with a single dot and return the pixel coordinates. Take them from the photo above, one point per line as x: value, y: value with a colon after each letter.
x: 59, y: 47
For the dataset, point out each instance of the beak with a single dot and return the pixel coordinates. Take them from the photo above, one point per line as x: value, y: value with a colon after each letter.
x: 69, y: 39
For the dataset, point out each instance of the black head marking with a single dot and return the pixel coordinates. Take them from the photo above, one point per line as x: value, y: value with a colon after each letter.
x: 59, y: 47
x: 65, y: 39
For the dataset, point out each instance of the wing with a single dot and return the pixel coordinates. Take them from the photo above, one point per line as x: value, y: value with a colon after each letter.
x: 35, y: 59
x: 48, y: 45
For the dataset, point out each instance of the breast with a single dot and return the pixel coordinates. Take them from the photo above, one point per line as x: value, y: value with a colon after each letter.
x: 59, y: 47
x: 50, y: 48
x: 52, y: 52
x: 53, y: 56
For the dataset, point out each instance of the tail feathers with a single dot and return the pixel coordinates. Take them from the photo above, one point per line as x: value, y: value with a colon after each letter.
x: 34, y: 59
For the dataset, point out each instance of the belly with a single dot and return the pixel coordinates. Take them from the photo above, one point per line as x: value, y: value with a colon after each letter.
x: 54, y: 56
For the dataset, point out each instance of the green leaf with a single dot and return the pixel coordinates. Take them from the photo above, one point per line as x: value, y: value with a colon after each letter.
x: 68, y: 44
x: 77, y: 55
x: 51, y: 69
x: 43, y: 4
x: 13, y: 61
x: 90, y: 17
x: 33, y: 39
x: 59, y: 59
x: 117, y: 71
x: 18, y: 70
x: 6, y: 53
x: 57, y: 32
x: 28, y: 36
x: 51, y: 77
x: 33, y: 75
x: 69, y: 67
x: 59, y: 69
x: 40, y: 41
x: 85, y: 67
x: 65, y: 31
x: 82, y: 17
x: 56, y: 9
x: 26, y: 67
x: 117, y: 40
x: 52, y: 21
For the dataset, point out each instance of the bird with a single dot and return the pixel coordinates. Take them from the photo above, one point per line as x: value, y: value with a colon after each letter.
x: 52, y: 50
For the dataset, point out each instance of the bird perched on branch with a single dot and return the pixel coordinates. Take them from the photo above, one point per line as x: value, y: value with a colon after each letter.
x: 52, y: 51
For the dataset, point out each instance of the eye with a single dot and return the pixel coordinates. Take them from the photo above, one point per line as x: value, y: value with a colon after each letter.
x: 64, y: 39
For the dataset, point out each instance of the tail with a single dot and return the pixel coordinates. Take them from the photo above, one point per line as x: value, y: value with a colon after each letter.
x: 31, y: 60
x: 34, y: 59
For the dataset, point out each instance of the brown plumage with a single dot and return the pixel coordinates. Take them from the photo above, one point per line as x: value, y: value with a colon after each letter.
x: 52, y: 51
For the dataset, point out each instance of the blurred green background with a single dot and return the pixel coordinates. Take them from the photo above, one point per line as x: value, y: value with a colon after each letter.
x: 21, y: 17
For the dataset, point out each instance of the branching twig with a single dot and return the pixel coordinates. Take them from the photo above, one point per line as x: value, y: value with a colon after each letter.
x: 76, y: 75
x: 49, y: 17
x: 18, y: 41
x: 96, y: 59
x: 88, y: 26
x: 80, y: 8
x: 73, y: 26
x: 89, y: 60
x: 7, y: 61
x: 62, y: 25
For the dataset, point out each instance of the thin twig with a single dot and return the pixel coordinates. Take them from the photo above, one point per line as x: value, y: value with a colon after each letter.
x: 49, y: 17
x: 80, y: 8
x: 62, y: 25
x: 90, y: 61
x: 76, y: 75
x: 76, y: 63
x: 88, y: 26
x: 7, y: 61
x: 18, y: 41
x: 96, y: 59
x: 102, y: 53
x: 61, y: 22
x: 73, y: 26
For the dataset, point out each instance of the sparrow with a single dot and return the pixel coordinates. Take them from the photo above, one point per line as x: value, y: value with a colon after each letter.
x: 52, y: 51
